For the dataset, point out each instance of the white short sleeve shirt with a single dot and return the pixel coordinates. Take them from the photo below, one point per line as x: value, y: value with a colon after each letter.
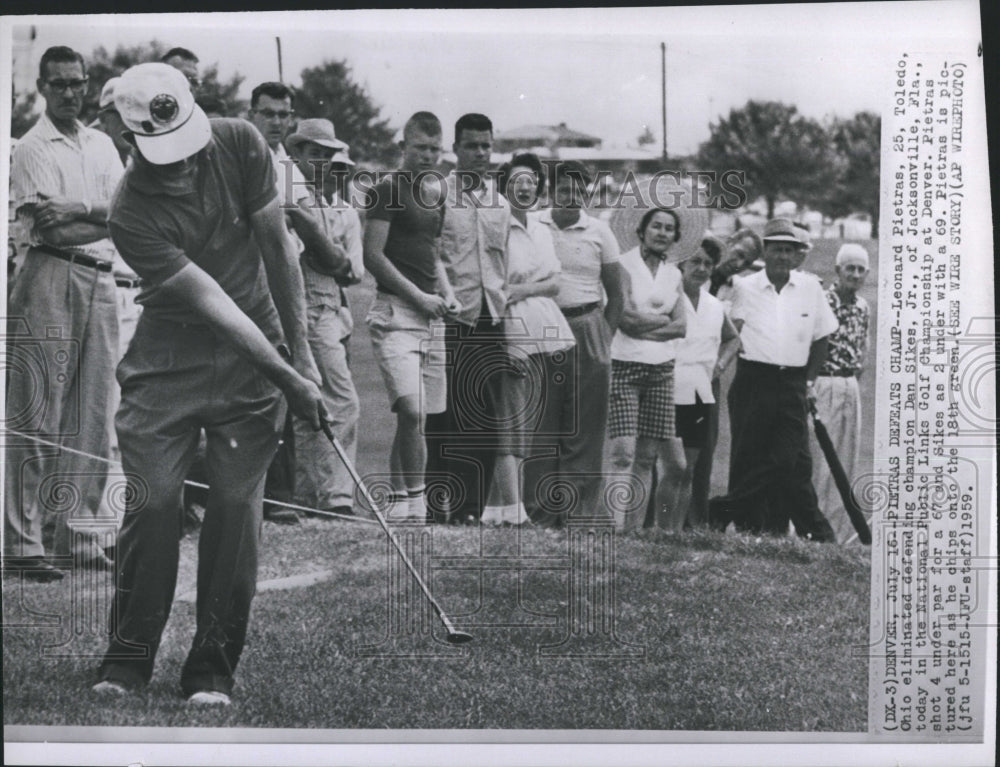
x: 698, y: 351
x: 651, y: 295
x: 778, y: 328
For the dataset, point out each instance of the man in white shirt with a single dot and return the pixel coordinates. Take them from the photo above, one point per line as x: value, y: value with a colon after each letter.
x: 462, y: 441
x: 784, y: 321
x: 272, y: 112
x: 589, y: 256
x: 63, y: 329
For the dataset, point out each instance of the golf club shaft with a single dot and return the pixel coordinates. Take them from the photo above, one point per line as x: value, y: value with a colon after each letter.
x: 385, y: 526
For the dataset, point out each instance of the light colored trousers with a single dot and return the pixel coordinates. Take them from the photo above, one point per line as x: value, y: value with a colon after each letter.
x: 62, y: 349
x: 321, y: 479
x: 838, y: 403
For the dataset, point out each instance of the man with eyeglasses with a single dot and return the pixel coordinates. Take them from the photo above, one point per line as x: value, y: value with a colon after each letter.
x: 187, y: 63
x: 63, y: 327
x: 272, y: 112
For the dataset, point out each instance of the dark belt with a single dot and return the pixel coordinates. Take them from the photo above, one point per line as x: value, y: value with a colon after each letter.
x: 127, y: 282
x: 74, y: 258
x: 765, y: 367
x: 579, y: 311
x: 842, y: 373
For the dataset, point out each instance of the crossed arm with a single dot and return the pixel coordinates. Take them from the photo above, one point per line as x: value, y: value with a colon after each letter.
x: 653, y: 326
x: 62, y: 222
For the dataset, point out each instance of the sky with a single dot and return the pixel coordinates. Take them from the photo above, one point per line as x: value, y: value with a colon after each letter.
x: 598, y: 70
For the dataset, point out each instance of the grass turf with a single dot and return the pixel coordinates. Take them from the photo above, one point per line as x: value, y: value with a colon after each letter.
x: 735, y: 633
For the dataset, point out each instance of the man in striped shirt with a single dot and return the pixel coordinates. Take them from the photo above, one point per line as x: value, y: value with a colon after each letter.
x: 63, y: 330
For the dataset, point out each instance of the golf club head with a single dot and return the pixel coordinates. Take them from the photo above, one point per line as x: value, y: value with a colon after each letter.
x: 458, y: 637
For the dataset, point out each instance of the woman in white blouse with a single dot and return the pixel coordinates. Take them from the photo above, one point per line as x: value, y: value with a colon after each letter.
x: 536, y: 334
x: 641, y: 409
x: 708, y: 348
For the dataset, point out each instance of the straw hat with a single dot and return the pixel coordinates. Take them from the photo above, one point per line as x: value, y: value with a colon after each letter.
x: 659, y: 192
x: 317, y: 130
x: 783, y: 230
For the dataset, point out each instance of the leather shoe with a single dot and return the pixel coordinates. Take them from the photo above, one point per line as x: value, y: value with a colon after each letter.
x: 281, y: 516
x: 33, y: 569
x: 720, y: 514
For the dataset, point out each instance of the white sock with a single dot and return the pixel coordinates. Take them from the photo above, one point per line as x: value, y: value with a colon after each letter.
x: 416, y: 506
x: 511, y: 514
x: 492, y: 515
x: 396, y: 505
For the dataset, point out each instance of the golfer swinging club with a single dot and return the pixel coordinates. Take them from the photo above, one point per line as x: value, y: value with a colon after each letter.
x: 198, y: 218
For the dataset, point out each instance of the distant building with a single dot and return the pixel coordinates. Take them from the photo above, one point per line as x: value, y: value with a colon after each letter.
x: 542, y: 137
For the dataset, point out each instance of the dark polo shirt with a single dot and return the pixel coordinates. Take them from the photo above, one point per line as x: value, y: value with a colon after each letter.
x: 414, y: 228
x: 160, y: 222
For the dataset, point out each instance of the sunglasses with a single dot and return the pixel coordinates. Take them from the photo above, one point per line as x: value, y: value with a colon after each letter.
x: 61, y: 85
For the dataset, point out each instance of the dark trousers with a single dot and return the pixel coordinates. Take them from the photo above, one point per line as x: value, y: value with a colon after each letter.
x: 175, y: 382
x: 770, y: 470
x: 462, y: 441
x: 570, y: 483
x: 701, y: 478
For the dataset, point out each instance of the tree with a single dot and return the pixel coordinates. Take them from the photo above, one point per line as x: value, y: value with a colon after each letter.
x: 329, y: 91
x: 857, y: 142
x: 102, y: 66
x: 214, y: 93
x: 22, y: 115
x: 782, y: 153
x: 646, y: 137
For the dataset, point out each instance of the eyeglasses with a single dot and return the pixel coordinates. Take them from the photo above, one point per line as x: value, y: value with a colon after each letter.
x: 61, y: 85
x: 270, y: 114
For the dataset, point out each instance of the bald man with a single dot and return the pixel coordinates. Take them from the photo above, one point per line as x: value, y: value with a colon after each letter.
x: 836, y: 392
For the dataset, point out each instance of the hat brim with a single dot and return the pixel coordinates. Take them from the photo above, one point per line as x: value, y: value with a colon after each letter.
x: 297, y: 138
x: 660, y: 192
x: 787, y: 238
x: 179, y: 144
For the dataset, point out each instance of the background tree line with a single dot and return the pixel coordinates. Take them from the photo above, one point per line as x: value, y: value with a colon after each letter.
x: 328, y: 90
x: 831, y: 166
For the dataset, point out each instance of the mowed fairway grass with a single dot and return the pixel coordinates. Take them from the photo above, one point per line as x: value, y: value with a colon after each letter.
x: 706, y: 631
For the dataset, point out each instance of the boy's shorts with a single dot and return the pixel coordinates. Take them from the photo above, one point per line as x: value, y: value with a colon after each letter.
x: 409, y: 353
x: 692, y: 424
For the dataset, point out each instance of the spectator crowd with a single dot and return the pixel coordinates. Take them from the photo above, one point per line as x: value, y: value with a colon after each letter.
x: 182, y: 277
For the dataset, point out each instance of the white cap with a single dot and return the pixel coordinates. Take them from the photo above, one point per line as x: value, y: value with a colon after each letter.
x: 155, y: 103
x: 108, y: 94
x: 853, y: 253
